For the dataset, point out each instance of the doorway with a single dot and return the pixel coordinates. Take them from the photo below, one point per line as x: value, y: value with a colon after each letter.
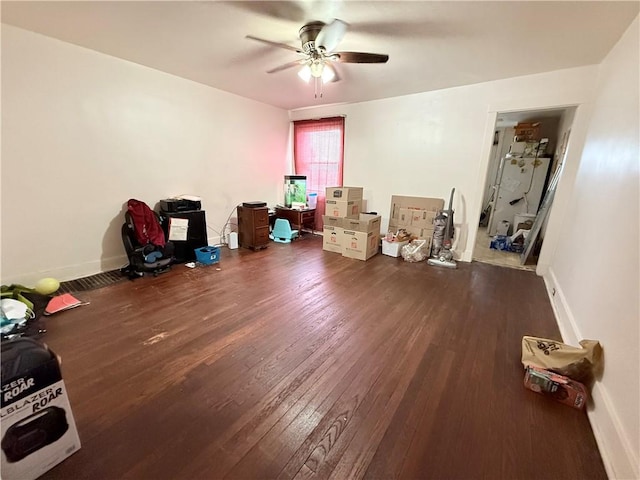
x: 521, y: 165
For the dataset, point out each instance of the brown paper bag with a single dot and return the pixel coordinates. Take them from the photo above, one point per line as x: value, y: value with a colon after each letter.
x: 578, y: 363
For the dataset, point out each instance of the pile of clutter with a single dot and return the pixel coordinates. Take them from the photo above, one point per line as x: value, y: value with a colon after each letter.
x: 21, y: 307
x: 512, y: 243
x: 399, y: 236
x: 407, y: 245
x: 562, y: 372
x: 395, y: 240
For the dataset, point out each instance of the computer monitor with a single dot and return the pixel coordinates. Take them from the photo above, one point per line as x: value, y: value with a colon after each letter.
x: 295, y: 190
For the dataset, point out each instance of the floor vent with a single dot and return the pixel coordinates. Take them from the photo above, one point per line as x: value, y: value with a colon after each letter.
x: 92, y: 282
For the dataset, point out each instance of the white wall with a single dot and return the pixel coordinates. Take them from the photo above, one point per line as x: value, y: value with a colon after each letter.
x: 82, y: 132
x: 595, y: 268
x: 427, y: 143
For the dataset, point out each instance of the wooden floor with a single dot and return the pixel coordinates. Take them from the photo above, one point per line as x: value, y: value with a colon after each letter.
x: 292, y: 362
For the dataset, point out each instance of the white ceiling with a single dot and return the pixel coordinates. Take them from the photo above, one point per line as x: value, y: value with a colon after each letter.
x: 432, y: 45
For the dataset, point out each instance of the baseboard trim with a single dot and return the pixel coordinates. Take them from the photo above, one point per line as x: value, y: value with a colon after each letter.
x: 620, y: 461
x: 71, y: 272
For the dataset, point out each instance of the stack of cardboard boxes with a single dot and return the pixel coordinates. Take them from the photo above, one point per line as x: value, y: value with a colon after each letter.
x: 346, y: 230
x: 415, y: 215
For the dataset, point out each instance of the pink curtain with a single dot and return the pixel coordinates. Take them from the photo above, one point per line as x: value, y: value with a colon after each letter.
x: 318, y: 152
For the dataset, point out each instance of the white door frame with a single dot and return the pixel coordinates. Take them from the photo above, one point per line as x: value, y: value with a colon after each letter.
x: 565, y: 184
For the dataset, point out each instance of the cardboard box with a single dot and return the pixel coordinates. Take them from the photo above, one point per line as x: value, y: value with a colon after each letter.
x: 414, y: 203
x: 422, y: 218
x: 417, y: 232
x: 344, y: 193
x: 527, y: 131
x: 360, y: 245
x: 332, y: 239
x: 38, y: 429
x: 339, y: 208
x: 414, y: 231
x: 392, y: 248
x: 560, y: 388
x: 404, y: 217
x: 330, y: 221
x: 363, y: 223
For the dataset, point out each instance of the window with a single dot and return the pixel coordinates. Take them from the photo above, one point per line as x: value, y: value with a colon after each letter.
x: 318, y: 153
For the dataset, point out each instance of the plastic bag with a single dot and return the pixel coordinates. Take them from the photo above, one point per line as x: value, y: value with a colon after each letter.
x: 415, y: 251
x: 578, y: 363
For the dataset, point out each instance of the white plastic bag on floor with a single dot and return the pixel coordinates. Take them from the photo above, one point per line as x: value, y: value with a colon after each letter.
x: 415, y: 251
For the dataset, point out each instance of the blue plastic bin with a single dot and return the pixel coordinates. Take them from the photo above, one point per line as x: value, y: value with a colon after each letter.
x: 208, y: 255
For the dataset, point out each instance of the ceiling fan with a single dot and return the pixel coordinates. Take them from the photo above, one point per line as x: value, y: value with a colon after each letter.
x: 319, y: 40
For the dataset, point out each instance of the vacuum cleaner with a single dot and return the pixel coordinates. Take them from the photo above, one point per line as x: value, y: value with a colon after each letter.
x: 441, y: 255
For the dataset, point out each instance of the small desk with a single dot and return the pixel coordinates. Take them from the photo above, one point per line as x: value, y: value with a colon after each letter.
x: 298, y: 218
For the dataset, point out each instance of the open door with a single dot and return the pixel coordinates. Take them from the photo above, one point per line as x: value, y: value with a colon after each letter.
x: 518, y: 177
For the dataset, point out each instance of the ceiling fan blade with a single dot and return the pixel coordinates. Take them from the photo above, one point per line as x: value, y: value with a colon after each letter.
x: 331, y: 35
x: 359, y: 57
x: 274, y: 44
x: 287, y: 65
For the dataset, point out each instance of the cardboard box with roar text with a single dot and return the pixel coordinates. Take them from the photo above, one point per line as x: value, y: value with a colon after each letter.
x: 38, y: 429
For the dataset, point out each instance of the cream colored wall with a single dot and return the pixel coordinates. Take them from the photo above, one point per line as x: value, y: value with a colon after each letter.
x: 428, y: 143
x: 83, y: 132
x: 595, y: 268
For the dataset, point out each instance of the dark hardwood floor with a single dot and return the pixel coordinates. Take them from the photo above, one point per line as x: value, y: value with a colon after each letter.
x: 292, y: 362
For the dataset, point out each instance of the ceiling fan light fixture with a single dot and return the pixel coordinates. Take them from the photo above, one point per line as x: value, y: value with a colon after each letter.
x: 316, y: 68
x: 328, y: 74
x: 305, y: 73
x: 318, y: 56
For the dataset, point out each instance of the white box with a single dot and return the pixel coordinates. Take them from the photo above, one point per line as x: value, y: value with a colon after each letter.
x: 392, y: 248
x: 38, y: 429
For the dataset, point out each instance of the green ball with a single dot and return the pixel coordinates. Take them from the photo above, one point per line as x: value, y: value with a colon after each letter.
x: 47, y: 286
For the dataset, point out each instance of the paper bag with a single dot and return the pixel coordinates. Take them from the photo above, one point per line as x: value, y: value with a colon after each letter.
x: 578, y: 363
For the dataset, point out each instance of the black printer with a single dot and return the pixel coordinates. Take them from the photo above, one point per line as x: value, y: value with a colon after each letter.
x: 172, y: 205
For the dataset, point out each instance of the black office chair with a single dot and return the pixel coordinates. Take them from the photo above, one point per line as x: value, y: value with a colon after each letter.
x: 144, y: 258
